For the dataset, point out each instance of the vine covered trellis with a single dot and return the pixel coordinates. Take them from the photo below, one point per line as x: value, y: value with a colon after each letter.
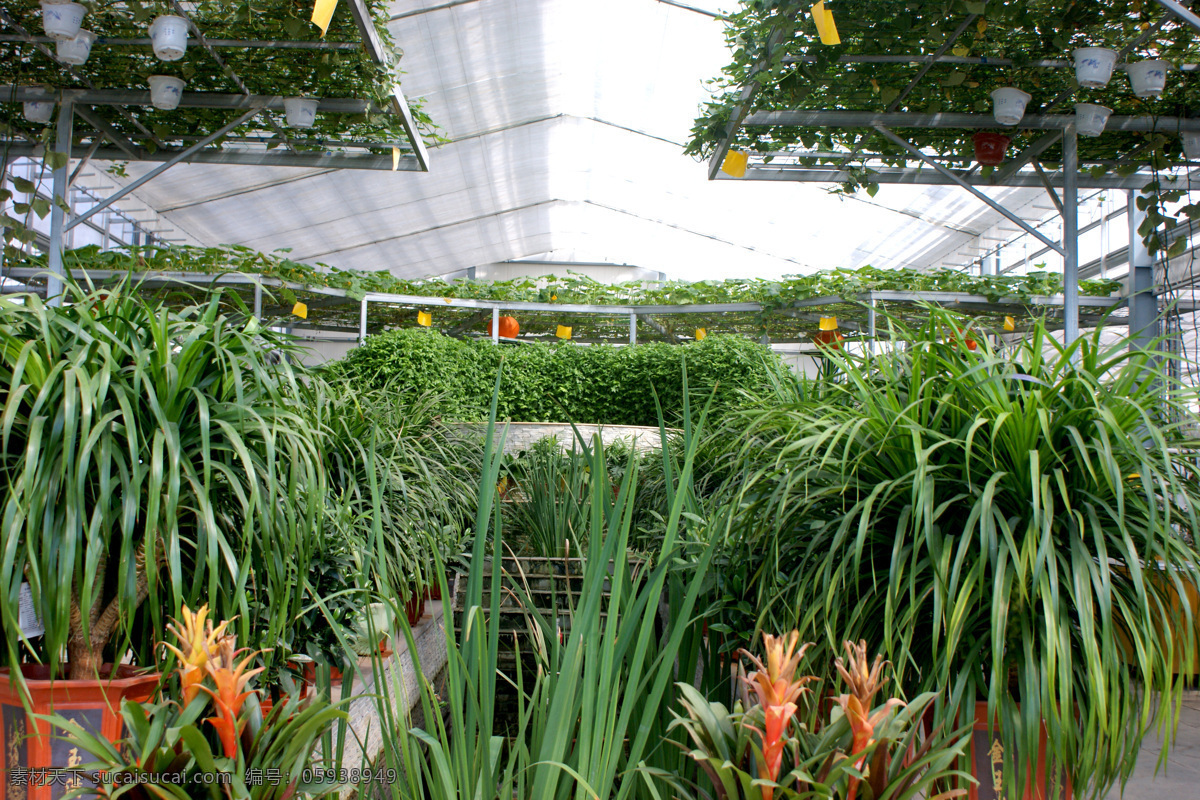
x: 357, y: 303
x: 901, y: 97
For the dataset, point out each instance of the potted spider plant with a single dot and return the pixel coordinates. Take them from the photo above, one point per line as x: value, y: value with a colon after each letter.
x: 1006, y: 524
x: 148, y: 457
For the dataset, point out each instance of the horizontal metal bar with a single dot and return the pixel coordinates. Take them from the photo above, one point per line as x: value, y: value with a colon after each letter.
x: 927, y: 177
x: 979, y: 61
x: 903, y: 119
x: 1181, y: 12
x: 267, y: 44
x: 202, y: 280
x: 123, y: 97
x: 255, y: 158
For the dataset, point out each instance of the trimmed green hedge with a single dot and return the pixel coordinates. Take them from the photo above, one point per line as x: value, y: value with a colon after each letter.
x: 565, y: 381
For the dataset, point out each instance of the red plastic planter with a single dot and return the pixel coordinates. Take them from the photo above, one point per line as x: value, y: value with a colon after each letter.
x: 29, y: 743
x: 990, y: 148
x: 414, y: 608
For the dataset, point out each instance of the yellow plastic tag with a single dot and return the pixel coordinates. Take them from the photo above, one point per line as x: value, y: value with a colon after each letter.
x: 700, y: 333
x: 300, y: 310
x: 735, y: 164
x: 828, y: 324
x: 395, y: 158
x: 826, y: 29
x: 323, y: 13
x: 563, y: 332
x: 424, y: 319
x: 1010, y: 324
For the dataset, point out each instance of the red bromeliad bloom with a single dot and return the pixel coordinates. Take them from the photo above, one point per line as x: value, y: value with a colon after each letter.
x: 863, y: 683
x: 777, y: 689
x: 231, y: 678
x: 197, y: 638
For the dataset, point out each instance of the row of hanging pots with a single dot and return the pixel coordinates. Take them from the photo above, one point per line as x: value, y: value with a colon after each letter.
x: 1093, y: 70
x: 165, y: 94
x: 63, y: 21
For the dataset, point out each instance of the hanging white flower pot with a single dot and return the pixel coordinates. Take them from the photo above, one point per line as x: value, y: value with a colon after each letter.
x: 1008, y: 105
x: 301, y: 111
x: 1094, y: 66
x: 165, y: 91
x: 39, y: 110
x: 75, y: 51
x: 1191, y: 145
x: 1090, y: 119
x: 1148, y: 78
x: 169, y: 37
x: 62, y: 20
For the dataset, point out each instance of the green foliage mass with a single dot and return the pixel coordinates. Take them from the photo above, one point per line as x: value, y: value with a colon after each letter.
x: 571, y: 288
x: 561, y: 382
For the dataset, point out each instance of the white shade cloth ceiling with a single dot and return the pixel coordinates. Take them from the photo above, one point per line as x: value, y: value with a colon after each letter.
x: 566, y: 122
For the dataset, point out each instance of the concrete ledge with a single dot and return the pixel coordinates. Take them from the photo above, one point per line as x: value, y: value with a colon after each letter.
x: 520, y: 436
x: 400, y: 683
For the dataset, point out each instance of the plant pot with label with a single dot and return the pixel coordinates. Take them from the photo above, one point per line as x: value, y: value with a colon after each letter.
x: 28, y: 743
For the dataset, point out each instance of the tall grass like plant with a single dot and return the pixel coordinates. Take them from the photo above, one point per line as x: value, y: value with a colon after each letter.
x: 1010, y: 526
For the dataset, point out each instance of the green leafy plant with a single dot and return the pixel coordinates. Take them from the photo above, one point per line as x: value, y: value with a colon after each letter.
x: 599, y: 706
x: 1014, y: 524
x: 150, y: 458
x: 562, y: 382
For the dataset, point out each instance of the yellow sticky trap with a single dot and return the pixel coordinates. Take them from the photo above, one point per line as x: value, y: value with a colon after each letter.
x: 323, y: 13
x: 424, y: 319
x: 823, y: 19
x: 735, y: 164
x: 828, y: 324
x: 700, y: 333
x: 1010, y: 324
x: 395, y: 158
x: 563, y: 332
x: 300, y: 310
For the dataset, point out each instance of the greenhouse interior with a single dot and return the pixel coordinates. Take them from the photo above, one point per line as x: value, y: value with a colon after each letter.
x: 640, y: 400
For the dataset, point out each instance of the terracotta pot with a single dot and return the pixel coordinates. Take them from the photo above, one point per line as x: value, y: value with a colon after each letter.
x: 310, y: 675
x: 990, y: 148
x: 92, y: 704
x: 413, y: 609
x: 434, y: 592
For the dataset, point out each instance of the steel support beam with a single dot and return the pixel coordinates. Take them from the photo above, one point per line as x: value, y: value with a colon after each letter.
x: 1181, y: 12
x: 924, y: 177
x: 362, y: 321
x: 1070, y: 244
x: 1025, y: 156
x: 129, y: 97
x: 1143, y: 306
x: 166, y: 165
x: 62, y: 144
x: 633, y: 328
x: 257, y: 44
x: 903, y: 119
x: 374, y: 47
x: 258, y: 299
x: 109, y: 132
x: 960, y: 182
x: 253, y: 158
x: 495, y: 324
